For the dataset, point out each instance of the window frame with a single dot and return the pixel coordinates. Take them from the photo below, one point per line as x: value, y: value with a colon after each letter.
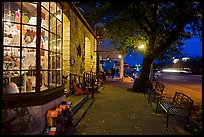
x: 52, y: 92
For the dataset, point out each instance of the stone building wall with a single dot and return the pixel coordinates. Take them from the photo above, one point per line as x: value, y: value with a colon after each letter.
x: 78, y: 33
x: 75, y: 34
x: 66, y: 48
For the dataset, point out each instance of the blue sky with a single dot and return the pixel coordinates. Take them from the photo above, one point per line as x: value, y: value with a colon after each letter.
x: 193, y: 47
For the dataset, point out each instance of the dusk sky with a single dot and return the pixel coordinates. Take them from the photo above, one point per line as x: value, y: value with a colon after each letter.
x: 193, y: 47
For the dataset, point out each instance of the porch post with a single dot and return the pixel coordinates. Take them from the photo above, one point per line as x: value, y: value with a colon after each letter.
x: 121, y: 68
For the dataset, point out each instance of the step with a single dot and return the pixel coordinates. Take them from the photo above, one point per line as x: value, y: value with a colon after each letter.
x: 78, y: 115
x: 82, y: 111
x: 77, y: 102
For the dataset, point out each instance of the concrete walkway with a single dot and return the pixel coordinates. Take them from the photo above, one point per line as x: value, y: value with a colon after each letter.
x: 117, y: 111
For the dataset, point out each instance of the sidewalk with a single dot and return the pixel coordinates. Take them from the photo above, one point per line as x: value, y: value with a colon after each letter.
x: 117, y: 111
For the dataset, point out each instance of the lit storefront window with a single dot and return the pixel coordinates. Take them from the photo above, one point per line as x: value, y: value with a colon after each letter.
x: 20, y: 47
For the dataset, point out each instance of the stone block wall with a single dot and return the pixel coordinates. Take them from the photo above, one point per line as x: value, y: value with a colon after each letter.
x: 78, y: 33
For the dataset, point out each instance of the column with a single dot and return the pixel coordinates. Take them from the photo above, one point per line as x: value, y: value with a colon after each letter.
x: 121, y: 68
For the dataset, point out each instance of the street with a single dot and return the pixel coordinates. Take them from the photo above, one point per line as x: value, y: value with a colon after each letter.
x: 188, y: 84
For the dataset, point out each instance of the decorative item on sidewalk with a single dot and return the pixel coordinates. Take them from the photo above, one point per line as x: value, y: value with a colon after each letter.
x: 52, y: 131
x: 52, y: 117
x: 59, y: 119
x: 79, y: 90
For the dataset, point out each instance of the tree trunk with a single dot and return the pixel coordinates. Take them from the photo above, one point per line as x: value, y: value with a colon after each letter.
x: 141, y: 82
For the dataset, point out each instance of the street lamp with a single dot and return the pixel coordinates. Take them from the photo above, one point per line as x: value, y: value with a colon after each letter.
x: 141, y: 47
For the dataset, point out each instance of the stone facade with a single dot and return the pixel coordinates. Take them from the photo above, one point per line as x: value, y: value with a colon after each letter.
x: 66, y: 48
x: 79, y: 46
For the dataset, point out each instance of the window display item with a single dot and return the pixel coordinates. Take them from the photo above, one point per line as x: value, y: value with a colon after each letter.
x: 79, y: 90
x: 10, y: 88
x: 29, y: 84
x: 33, y: 20
x: 29, y: 59
x: 24, y: 20
x: 52, y: 117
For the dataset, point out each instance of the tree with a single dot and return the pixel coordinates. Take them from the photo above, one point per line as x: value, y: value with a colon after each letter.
x: 160, y: 26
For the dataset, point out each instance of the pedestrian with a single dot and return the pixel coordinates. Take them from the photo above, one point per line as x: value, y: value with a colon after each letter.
x: 109, y: 72
x: 117, y: 70
x: 112, y: 72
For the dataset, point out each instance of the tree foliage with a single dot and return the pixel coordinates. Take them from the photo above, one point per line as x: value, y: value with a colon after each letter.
x: 142, y: 22
x: 160, y: 26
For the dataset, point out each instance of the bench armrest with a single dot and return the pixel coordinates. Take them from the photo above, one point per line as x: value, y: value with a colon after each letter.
x: 166, y: 99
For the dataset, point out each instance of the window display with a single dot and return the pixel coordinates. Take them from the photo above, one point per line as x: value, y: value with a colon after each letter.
x: 20, y: 45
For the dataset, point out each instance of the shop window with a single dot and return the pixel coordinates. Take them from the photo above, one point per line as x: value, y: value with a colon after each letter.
x: 29, y: 36
x: 44, y: 39
x: 52, y: 79
x: 59, y: 77
x: 52, y: 42
x: 59, y: 28
x: 45, y: 17
x: 59, y: 12
x: 53, y: 7
x: 59, y: 45
x: 28, y: 58
x: 52, y: 62
x: 53, y: 23
x: 10, y: 11
x: 58, y: 61
x: 45, y: 5
x: 29, y: 13
x: 19, y: 46
x: 44, y: 59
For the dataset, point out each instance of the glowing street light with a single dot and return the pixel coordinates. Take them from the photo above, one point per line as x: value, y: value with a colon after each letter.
x: 175, y: 60
x: 141, y: 47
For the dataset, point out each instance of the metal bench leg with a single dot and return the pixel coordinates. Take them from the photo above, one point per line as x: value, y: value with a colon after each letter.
x: 187, y: 120
x: 167, y: 120
x: 157, y: 107
x: 92, y: 94
x: 149, y: 98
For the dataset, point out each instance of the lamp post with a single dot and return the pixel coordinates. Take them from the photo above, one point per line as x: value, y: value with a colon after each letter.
x: 121, y: 67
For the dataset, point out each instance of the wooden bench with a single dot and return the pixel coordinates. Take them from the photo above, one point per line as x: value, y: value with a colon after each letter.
x: 180, y: 106
x: 155, y: 93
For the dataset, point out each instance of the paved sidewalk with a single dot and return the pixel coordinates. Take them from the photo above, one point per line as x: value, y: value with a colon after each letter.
x: 117, y: 111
